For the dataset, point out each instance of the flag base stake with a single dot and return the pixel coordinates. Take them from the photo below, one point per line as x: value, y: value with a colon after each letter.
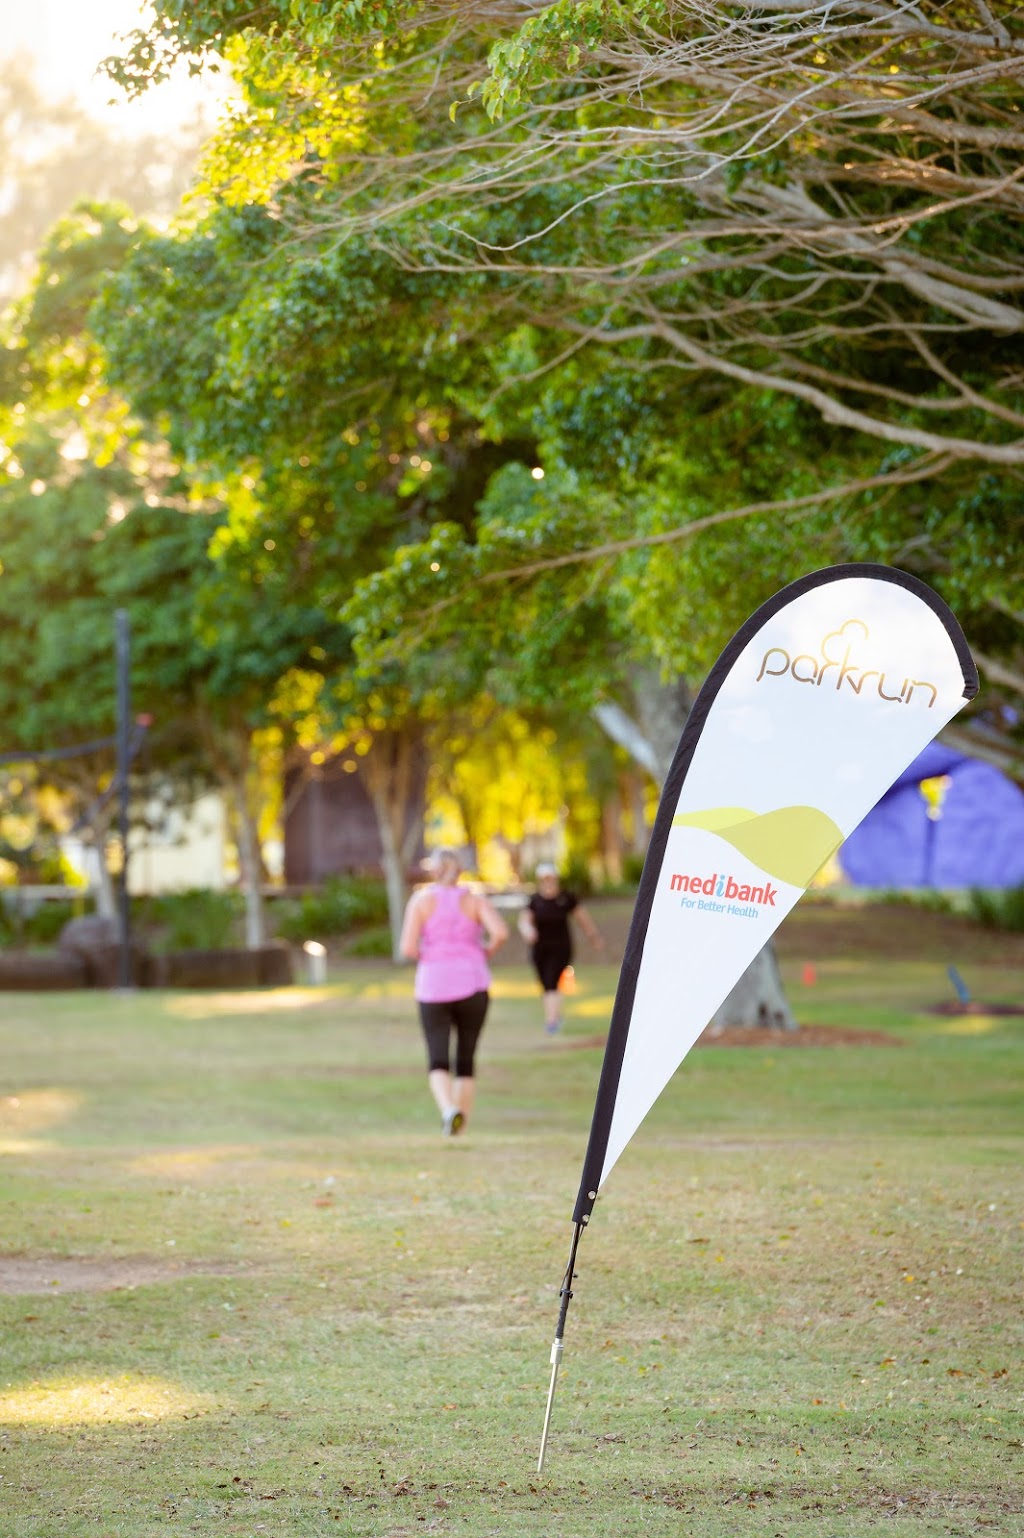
x: 556, y: 1362
x: 557, y: 1347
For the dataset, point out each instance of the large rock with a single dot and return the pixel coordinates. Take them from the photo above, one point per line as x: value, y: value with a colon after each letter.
x: 96, y: 941
x: 89, y: 933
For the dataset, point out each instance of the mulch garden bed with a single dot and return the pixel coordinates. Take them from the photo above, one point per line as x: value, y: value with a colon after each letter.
x: 975, y: 1007
x: 764, y: 1036
x: 805, y: 1036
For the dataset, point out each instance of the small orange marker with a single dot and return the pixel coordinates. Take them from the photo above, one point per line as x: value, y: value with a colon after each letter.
x: 809, y: 976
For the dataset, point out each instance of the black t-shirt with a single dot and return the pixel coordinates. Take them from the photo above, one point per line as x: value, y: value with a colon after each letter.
x: 551, y: 916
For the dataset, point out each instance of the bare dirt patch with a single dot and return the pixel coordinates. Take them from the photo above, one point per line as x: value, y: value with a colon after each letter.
x: 976, y: 1009
x: 805, y: 1036
x: 766, y: 1036
x: 23, y: 1274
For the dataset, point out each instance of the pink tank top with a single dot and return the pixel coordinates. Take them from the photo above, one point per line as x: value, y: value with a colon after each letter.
x: 452, y: 964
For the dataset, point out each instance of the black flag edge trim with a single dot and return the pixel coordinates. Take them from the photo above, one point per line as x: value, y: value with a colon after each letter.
x: 622, y: 1010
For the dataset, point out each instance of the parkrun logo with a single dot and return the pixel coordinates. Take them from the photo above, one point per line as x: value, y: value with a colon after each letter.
x: 707, y: 890
x: 836, y: 653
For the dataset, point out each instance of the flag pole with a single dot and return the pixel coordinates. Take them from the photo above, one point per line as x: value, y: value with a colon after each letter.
x: 556, y: 1349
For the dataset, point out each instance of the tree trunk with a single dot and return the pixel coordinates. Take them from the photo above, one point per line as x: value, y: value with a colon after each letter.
x: 250, y: 866
x: 624, y: 731
x: 611, y: 837
x: 632, y: 791
x: 394, y: 879
x: 392, y: 773
x: 651, y: 740
x: 230, y: 747
x: 100, y: 884
x: 758, y: 998
x: 469, y: 825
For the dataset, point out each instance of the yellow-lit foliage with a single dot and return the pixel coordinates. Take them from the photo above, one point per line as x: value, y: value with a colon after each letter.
x: 287, y: 111
x: 498, y: 779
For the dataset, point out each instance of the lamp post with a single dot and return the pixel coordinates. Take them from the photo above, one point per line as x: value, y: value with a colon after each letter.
x: 123, y: 656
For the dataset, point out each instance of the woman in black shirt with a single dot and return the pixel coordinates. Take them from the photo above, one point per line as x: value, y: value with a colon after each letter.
x: 544, y: 925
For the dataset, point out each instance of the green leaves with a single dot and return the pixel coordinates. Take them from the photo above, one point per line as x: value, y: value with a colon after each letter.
x: 551, y: 45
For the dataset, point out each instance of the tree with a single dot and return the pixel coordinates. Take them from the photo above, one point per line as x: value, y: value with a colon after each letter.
x: 88, y: 526
x: 310, y: 390
x: 80, y: 540
x: 98, y: 514
x: 507, y: 776
x: 798, y: 210
x: 722, y: 223
x: 798, y: 177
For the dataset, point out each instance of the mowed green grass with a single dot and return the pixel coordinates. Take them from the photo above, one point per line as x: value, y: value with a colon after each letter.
x: 285, y: 1305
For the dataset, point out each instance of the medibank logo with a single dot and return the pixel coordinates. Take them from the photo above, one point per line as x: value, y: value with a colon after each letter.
x: 725, y: 886
x: 835, y: 664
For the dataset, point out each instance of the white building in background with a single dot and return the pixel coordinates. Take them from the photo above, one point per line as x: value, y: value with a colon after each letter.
x: 187, y: 848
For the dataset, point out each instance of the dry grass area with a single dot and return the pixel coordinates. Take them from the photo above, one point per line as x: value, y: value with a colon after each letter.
x: 249, y: 1289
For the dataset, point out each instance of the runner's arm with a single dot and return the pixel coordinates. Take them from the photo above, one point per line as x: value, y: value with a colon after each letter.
x: 412, y: 928
x: 588, y: 927
x: 526, y: 925
x: 492, y: 923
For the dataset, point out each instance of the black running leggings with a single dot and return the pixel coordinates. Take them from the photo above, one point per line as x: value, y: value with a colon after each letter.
x: 463, y: 1016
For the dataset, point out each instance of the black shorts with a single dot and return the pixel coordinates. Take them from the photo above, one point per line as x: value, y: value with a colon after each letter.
x: 463, y: 1016
x: 549, y: 962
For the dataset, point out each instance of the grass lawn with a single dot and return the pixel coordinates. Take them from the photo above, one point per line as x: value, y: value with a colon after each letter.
x: 247, y: 1288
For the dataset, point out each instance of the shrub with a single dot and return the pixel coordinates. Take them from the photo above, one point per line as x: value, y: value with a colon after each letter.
x: 42, y: 924
x: 925, y: 898
x: 576, y: 876
x: 199, y: 920
x: 372, y: 942
x: 342, y: 904
x: 935, y: 902
x: 998, y: 908
x: 632, y: 869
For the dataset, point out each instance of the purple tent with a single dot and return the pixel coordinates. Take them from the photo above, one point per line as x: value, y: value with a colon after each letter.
x: 974, y: 837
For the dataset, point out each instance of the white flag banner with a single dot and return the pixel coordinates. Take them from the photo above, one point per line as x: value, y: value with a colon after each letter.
x: 814, y: 708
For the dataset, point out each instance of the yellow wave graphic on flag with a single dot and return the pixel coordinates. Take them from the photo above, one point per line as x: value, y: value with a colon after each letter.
x: 792, y: 843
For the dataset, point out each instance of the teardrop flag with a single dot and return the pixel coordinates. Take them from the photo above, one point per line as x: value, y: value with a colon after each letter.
x: 814, y: 708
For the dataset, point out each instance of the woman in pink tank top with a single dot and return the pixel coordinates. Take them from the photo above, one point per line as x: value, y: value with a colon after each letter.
x: 450, y: 933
